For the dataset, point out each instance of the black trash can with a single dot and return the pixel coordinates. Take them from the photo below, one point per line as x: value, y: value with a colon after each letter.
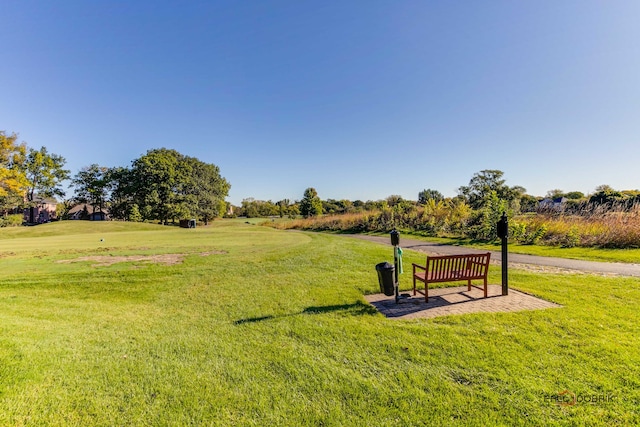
x: 386, y: 278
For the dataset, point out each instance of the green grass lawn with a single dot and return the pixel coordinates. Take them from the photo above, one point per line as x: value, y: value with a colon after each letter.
x: 258, y: 326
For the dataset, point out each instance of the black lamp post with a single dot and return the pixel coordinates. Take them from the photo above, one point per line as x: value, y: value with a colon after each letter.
x: 395, y: 241
x: 503, y: 233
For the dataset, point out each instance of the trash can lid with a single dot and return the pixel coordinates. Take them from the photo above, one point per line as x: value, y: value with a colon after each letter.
x: 384, y: 266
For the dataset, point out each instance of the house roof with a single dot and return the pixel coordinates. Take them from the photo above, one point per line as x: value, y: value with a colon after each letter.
x: 81, y: 206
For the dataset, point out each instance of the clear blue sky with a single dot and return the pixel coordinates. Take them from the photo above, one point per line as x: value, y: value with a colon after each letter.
x: 359, y: 99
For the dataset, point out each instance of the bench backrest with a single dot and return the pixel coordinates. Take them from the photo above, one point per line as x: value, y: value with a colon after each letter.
x: 457, y: 267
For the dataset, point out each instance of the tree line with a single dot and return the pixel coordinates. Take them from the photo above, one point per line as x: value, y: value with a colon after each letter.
x: 161, y: 185
x: 310, y: 205
x: 164, y: 185
x: 485, y: 188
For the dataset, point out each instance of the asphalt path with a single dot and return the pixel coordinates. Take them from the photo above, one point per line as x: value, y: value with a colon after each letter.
x: 616, y: 268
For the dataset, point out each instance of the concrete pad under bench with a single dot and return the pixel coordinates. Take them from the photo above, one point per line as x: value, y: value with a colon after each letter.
x: 457, y: 300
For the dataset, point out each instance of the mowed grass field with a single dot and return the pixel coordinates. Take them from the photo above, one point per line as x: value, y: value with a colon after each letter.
x: 235, y: 324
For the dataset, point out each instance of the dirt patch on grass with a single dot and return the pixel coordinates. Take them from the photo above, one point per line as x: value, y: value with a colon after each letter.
x: 166, y: 259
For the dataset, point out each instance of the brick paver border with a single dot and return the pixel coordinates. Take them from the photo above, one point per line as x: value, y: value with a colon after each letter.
x: 457, y: 300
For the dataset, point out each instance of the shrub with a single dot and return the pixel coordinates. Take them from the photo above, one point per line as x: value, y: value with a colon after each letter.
x: 486, y: 219
x: 527, y: 233
x: 572, y: 238
x: 11, y: 221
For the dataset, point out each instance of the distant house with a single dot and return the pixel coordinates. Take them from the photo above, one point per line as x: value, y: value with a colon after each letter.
x: 84, y: 211
x: 555, y: 204
x: 44, y: 210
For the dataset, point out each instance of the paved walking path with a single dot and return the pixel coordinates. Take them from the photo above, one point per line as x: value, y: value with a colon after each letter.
x: 610, y: 268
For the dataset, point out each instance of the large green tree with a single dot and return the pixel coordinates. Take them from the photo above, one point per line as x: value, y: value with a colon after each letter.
x: 91, y: 185
x: 45, y: 174
x: 207, y: 190
x: 166, y: 185
x: 310, y: 205
x: 480, y: 190
x: 159, y: 178
x: 121, y: 197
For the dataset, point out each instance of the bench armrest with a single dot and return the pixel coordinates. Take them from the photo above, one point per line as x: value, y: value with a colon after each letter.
x: 419, y: 266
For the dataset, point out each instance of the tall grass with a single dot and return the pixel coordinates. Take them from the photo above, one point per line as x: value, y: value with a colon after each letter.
x: 432, y: 219
x: 367, y: 221
x: 592, y: 228
x: 603, y: 228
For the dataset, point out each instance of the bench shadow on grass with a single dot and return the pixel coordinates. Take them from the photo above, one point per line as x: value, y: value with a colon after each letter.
x: 356, y: 309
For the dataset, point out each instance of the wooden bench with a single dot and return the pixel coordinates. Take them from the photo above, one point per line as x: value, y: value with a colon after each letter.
x: 452, y: 268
